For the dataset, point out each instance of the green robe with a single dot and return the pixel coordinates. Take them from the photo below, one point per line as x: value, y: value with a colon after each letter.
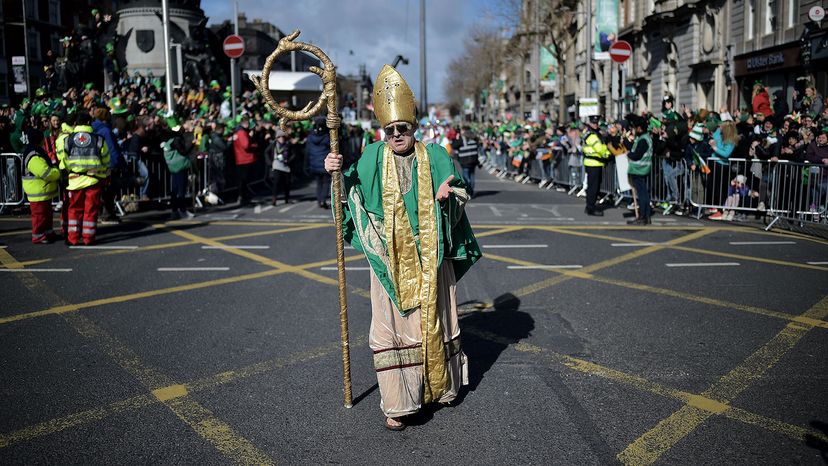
x: 363, y: 224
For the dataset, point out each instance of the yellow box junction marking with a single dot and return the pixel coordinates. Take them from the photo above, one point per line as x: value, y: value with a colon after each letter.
x: 651, y: 445
x: 170, y: 392
x: 174, y: 396
x: 701, y: 402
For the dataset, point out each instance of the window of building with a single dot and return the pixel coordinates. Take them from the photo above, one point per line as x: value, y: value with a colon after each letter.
x: 54, y: 43
x: 792, y: 7
x: 4, y: 85
x: 769, y: 16
x: 32, y: 10
x: 34, y: 45
x: 750, y: 20
x: 54, y: 11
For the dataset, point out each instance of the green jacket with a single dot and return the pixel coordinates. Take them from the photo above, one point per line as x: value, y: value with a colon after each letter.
x: 363, y: 217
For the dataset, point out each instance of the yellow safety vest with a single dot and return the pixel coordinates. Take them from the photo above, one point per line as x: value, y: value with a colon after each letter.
x: 40, y: 178
x: 86, y: 169
x: 596, y: 153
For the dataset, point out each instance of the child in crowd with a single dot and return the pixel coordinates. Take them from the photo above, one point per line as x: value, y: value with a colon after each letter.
x: 736, y: 192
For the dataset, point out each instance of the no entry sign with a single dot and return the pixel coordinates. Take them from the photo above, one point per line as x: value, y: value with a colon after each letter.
x: 620, y: 51
x: 234, y: 46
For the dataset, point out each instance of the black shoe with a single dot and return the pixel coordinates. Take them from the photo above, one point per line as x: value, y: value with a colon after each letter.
x: 594, y: 213
x: 639, y: 221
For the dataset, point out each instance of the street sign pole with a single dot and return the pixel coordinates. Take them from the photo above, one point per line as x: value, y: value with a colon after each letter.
x: 165, y: 7
x: 233, y: 60
x: 622, y: 107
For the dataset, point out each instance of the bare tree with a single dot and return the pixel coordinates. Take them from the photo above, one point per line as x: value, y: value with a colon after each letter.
x: 476, y: 67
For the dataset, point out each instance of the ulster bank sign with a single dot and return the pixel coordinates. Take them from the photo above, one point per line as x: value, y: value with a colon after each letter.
x: 766, y: 61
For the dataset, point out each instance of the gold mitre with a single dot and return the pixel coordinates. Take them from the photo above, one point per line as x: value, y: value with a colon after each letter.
x: 393, y: 99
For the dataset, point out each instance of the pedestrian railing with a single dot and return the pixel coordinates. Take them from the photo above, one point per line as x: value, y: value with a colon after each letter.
x: 11, y: 179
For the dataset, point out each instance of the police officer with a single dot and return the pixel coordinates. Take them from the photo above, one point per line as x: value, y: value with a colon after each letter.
x: 85, y: 157
x: 596, y: 156
x: 40, y: 182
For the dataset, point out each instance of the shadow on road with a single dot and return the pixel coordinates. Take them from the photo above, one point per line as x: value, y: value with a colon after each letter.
x: 507, y: 326
x: 816, y: 442
x: 485, y: 193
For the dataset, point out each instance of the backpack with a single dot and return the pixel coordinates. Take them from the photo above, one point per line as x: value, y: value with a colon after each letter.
x: 176, y: 162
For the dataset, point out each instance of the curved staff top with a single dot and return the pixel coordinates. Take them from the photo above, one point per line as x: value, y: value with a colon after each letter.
x: 328, y: 97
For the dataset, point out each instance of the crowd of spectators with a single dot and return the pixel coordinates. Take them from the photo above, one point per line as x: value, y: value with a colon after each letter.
x: 133, y: 117
x: 691, y: 149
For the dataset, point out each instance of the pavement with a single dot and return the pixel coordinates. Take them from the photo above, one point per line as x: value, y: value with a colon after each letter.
x: 216, y: 341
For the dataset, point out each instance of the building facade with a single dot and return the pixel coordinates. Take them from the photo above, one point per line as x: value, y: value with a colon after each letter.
x: 704, y: 53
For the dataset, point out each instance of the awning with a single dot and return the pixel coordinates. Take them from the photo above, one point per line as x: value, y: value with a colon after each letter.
x: 290, y: 81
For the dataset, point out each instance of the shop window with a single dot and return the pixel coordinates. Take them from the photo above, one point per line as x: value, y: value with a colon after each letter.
x: 750, y: 20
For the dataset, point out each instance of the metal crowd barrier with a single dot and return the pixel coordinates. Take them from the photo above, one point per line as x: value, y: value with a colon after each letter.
x: 781, y: 190
x: 149, y: 180
x: 798, y: 192
x: 11, y: 179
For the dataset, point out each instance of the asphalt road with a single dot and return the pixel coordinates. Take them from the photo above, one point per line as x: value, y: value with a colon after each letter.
x: 590, y: 342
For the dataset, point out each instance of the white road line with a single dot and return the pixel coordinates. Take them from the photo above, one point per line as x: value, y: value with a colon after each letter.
x: 514, y: 246
x: 223, y: 217
x: 747, y: 243
x: 103, y: 247
x: 495, y: 211
x: 193, y: 269
x: 346, y: 268
x: 817, y: 263
x: 265, y: 209
x: 286, y: 208
x: 229, y: 246
x: 543, y: 267
x: 704, y: 264
x: 35, y: 270
x: 633, y: 245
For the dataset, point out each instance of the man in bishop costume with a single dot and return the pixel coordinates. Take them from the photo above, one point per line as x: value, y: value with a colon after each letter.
x: 405, y: 212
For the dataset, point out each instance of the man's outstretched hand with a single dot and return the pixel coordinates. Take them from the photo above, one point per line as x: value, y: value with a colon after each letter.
x: 443, y: 191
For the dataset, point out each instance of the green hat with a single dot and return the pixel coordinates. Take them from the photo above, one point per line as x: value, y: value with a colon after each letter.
x: 131, y: 118
x: 88, y: 86
x: 25, y: 101
x: 173, y: 124
x: 109, y: 47
x: 40, y: 92
x: 655, y: 123
x: 711, y: 125
x: 698, y: 132
x: 214, y: 84
x: 116, y: 107
x: 94, y: 11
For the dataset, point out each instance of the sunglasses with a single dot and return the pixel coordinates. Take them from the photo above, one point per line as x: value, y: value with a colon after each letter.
x: 402, y: 128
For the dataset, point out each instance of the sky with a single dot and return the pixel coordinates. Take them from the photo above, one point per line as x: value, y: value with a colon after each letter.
x: 372, y: 32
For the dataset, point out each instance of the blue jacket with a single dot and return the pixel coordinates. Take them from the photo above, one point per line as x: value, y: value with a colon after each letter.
x: 723, y: 149
x: 316, y: 149
x: 102, y: 129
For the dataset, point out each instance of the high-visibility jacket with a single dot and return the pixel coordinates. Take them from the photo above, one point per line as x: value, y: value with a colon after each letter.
x: 642, y: 166
x: 596, y: 153
x: 40, y: 177
x: 84, y: 155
